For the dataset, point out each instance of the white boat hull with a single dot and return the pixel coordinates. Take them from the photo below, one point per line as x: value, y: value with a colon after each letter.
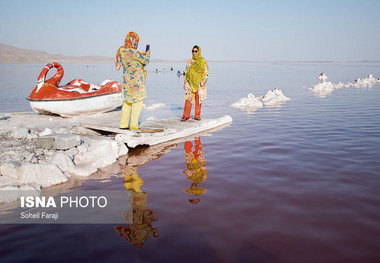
x: 80, y: 106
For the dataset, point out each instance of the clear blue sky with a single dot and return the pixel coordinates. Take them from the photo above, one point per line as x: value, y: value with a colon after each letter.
x: 231, y: 30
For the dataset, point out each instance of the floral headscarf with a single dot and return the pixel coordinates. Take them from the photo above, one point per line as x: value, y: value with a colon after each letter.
x: 131, y: 41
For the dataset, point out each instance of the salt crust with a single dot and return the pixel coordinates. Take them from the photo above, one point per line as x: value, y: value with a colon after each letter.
x: 179, y: 130
x: 325, y: 88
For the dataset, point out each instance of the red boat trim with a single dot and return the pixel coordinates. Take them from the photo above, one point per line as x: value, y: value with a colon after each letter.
x: 79, y: 98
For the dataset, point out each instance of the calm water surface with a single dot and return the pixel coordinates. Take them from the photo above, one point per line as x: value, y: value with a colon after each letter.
x: 295, y: 183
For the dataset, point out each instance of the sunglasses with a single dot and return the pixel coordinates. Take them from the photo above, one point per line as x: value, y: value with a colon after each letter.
x: 194, y: 51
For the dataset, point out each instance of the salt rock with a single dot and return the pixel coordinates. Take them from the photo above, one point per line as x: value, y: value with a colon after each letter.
x: 249, y: 101
x: 83, y: 147
x: 62, y: 130
x: 123, y: 149
x: 10, y: 170
x: 41, y: 174
x: 63, y: 161
x: 28, y: 156
x: 4, y: 180
x: 100, y: 154
x: 66, y: 141
x: 91, y: 139
x: 72, y: 151
x: 9, y: 193
x: 84, y: 170
x: 11, y: 156
x: 31, y: 136
x: 45, y: 142
x: 20, y: 133
x: 273, y: 97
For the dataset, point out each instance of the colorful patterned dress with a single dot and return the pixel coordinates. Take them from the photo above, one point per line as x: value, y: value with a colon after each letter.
x: 134, y: 74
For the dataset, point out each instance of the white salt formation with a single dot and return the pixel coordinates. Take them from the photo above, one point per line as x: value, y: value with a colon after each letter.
x: 325, y: 88
x: 44, y: 151
x: 271, y: 98
x: 249, y: 101
x: 366, y: 82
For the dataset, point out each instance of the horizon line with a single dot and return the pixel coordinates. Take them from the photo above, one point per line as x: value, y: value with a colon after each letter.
x: 185, y: 60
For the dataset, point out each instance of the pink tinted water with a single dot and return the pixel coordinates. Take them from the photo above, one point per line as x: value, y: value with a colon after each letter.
x: 296, y: 183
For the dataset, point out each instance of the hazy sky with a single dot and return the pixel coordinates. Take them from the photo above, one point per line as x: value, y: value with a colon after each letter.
x: 232, y: 30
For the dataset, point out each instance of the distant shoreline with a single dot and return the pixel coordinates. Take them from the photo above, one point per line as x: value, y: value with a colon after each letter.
x: 184, y: 61
x: 13, y: 55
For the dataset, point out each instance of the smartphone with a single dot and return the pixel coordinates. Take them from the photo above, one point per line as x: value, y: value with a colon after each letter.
x: 147, y: 47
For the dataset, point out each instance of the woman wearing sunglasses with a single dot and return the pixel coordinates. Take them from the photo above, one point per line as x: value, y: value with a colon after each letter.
x: 195, y: 84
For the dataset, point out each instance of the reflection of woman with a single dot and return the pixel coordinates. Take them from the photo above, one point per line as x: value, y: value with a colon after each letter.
x: 195, y: 84
x: 141, y: 227
x: 134, y: 76
x: 196, y: 171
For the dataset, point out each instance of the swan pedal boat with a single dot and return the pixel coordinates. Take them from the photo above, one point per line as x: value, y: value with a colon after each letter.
x: 76, y: 98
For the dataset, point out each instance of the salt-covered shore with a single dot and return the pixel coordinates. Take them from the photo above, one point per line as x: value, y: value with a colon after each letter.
x: 325, y: 88
x: 39, y: 151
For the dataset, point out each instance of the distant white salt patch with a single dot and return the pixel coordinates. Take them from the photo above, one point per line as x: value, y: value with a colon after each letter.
x: 366, y: 82
x: 153, y: 106
x: 272, y: 98
x: 325, y: 88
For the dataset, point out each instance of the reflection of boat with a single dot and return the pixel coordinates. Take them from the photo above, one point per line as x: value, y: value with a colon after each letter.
x: 77, y: 97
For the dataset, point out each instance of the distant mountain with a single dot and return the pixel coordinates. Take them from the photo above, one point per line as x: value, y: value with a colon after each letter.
x: 13, y: 55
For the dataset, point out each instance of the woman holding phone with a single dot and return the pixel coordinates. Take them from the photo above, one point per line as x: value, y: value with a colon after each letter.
x: 195, y: 84
x: 134, y: 77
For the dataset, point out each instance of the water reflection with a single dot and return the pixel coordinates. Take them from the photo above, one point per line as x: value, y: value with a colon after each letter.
x: 141, y: 227
x: 196, y: 171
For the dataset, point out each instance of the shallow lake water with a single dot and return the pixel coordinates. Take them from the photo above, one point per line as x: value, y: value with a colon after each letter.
x: 294, y: 183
